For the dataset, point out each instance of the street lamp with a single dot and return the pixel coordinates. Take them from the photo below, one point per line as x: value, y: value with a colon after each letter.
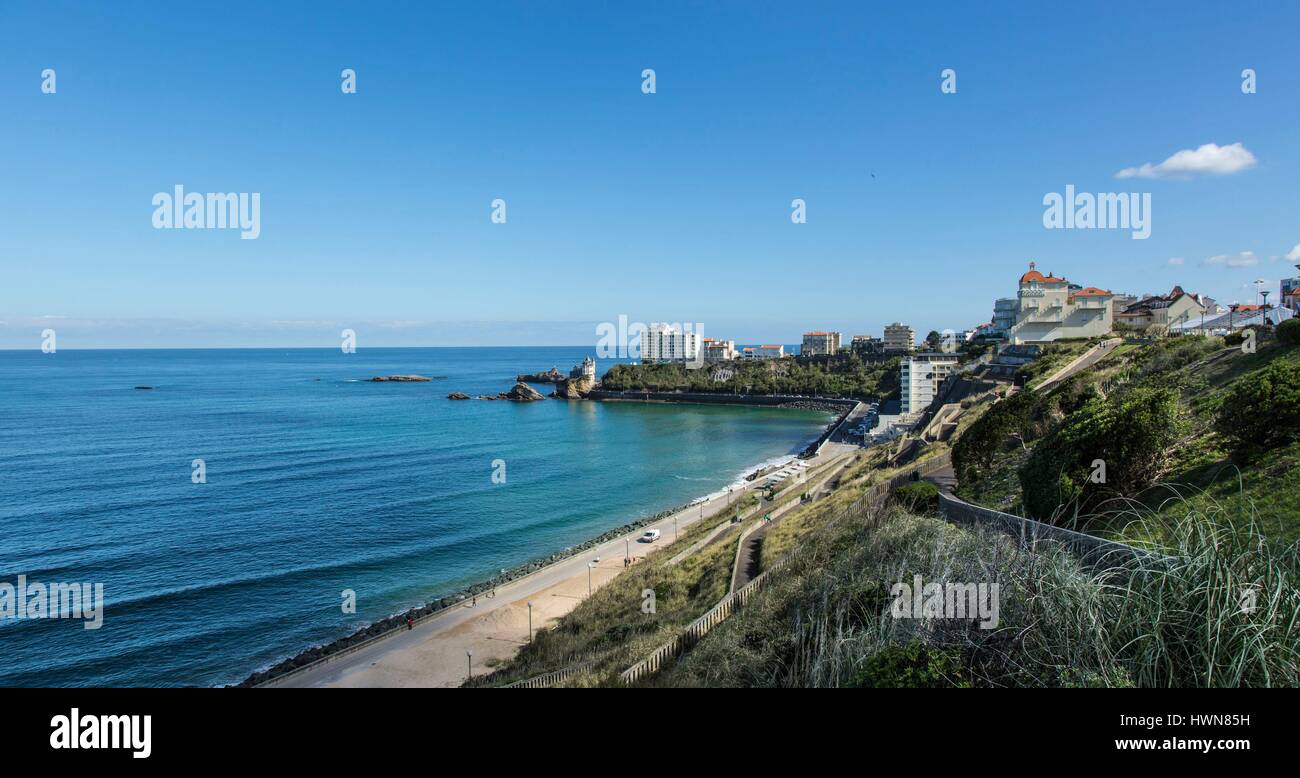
x: 469, y: 664
x: 590, y: 565
x: 530, y: 621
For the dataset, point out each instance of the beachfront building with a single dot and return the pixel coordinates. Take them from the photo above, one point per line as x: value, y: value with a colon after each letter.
x: 899, y: 339
x: 1051, y: 308
x: 819, y: 343
x: 762, y: 352
x: 666, y: 343
x: 921, y: 376
x: 719, y: 350
x: 1171, y: 310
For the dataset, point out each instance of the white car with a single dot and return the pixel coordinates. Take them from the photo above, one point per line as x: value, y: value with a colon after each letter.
x: 650, y: 536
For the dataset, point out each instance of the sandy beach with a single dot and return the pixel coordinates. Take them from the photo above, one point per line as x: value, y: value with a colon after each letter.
x: 492, y: 628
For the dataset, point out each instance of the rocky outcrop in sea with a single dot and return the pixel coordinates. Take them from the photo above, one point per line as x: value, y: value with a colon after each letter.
x: 552, y: 376
x: 573, y: 388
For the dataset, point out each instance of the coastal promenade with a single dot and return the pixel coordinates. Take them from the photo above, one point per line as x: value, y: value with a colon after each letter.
x: 493, y: 628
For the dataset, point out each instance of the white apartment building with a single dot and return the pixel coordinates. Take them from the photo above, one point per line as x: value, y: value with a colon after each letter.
x: 1052, y: 309
x: 899, y: 339
x: 921, y: 376
x: 666, y: 343
x: 719, y: 350
x: 819, y: 343
x: 762, y: 352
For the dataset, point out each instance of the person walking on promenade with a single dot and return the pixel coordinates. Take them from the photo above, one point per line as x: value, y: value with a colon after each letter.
x: 410, y: 622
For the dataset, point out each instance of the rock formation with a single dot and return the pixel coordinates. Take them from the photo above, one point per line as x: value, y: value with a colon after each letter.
x: 573, y: 388
x: 523, y: 392
x: 552, y: 376
x: 380, y: 378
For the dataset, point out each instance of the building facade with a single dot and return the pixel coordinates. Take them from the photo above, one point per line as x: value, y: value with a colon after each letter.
x: 820, y: 343
x: 1051, y: 308
x: 762, y: 352
x: 585, y: 370
x: 666, y: 343
x: 719, y: 350
x: 1290, y: 293
x: 1171, y: 310
x: 920, y: 378
x: 866, y: 346
x: 899, y: 339
x: 1005, y: 310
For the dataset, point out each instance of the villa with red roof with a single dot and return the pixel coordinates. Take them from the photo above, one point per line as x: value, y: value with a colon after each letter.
x: 1051, y: 308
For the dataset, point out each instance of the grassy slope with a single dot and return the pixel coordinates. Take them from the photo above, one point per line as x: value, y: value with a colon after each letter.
x: 1200, y: 472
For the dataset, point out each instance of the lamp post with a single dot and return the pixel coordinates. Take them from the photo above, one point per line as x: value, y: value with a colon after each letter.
x: 469, y: 664
x: 590, y: 565
x: 530, y: 621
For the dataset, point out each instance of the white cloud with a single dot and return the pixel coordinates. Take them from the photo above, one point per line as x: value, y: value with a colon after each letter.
x: 1176, y: 261
x: 1210, y: 159
x: 1294, y: 254
x: 1240, y: 259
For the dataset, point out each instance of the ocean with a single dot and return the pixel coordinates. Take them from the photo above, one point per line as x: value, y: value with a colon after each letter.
x: 317, y: 481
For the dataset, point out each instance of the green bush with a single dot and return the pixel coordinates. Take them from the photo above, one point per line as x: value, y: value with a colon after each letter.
x: 1262, y: 409
x: 1289, y: 332
x: 912, y: 666
x: 1130, y: 434
x: 1235, y: 338
x: 918, y: 497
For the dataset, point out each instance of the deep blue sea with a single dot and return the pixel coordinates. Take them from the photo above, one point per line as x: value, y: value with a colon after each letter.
x: 317, y: 481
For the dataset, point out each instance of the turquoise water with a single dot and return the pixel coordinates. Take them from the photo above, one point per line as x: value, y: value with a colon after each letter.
x: 317, y: 481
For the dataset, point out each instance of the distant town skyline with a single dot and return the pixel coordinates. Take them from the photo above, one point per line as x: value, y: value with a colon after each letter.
x: 377, y: 208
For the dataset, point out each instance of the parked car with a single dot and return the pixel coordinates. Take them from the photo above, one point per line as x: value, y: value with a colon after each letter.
x: 650, y: 536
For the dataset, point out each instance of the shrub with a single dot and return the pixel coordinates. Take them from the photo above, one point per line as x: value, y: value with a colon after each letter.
x: 912, y: 666
x: 1289, y: 332
x: 1129, y: 434
x: 918, y: 497
x: 1262, y: 409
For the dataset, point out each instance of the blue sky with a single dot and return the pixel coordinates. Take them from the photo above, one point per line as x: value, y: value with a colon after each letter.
x: 674, y: 206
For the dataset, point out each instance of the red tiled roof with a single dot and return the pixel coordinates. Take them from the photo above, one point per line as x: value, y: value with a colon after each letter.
x: 1034, y: 275
x: 1092, y: 291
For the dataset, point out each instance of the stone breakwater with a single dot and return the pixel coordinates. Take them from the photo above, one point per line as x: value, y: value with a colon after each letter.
x: 398, y: 621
